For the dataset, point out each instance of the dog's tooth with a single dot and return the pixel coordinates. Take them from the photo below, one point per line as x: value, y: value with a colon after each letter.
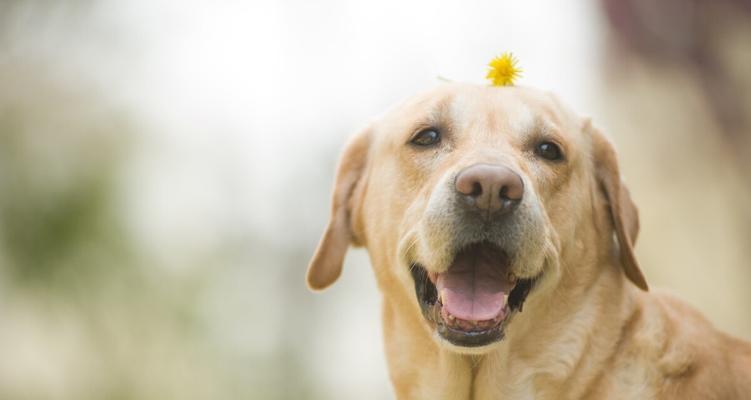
x: 442, y: 296
x: 451, y: 318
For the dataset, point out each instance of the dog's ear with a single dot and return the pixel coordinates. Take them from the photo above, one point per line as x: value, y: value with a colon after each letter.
x: 625, y: 216
x: 326, y: 264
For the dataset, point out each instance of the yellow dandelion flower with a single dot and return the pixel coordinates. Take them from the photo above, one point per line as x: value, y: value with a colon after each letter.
x: 503, y: 70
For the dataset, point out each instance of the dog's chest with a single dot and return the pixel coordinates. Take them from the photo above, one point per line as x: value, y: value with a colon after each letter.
x: 625, y: 383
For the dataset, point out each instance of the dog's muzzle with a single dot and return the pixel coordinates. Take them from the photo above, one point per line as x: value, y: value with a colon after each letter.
x: 479, y: 289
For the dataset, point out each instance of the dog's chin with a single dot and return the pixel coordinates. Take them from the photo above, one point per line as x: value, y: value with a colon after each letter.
x: 470, y: 304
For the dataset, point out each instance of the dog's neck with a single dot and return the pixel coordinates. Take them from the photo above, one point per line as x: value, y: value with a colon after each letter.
x: 547, y: 348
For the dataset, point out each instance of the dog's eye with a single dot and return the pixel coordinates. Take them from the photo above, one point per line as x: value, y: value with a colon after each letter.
x: 549, y: 151
x: 426, y: 137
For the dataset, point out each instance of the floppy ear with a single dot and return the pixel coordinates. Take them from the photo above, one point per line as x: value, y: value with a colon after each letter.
x: 623, y: 211
x: 326, y: 265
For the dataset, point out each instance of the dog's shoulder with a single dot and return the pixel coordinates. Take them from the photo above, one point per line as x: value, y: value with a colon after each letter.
x: 693, y: 359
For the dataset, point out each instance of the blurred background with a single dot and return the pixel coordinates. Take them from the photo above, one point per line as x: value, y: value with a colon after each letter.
x: 165, y: 171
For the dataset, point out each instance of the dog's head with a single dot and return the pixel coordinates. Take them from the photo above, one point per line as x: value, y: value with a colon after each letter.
x: 469, y: 198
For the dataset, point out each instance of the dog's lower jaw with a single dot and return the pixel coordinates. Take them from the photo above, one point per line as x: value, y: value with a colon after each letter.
x: 464, y: 350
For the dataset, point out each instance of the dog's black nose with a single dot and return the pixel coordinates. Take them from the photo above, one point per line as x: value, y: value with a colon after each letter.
x: 490, y: 188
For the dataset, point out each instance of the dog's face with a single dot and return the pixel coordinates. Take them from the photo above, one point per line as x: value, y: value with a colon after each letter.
x: 466, y: 197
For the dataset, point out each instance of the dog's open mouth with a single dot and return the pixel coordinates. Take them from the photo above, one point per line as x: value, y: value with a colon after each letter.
x: 471, y: 302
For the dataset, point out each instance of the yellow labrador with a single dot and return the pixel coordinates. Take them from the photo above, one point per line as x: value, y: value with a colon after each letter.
x: 502, y: 237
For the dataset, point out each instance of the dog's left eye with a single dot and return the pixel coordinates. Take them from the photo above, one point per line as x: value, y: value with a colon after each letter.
x: 549, y: 151
x: 426, y: 137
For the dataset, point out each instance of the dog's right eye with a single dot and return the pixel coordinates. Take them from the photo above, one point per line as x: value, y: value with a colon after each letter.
x: 426, y: 137
x: 549, y: 151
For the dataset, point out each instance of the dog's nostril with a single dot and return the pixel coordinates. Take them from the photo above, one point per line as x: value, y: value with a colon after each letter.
x: 504, y: 193
x: 476, y: 189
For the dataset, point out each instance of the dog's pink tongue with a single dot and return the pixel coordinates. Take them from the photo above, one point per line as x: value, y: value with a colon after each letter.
x: 475, y: 286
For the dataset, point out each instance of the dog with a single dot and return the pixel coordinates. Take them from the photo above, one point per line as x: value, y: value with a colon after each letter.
x: 501, y: 236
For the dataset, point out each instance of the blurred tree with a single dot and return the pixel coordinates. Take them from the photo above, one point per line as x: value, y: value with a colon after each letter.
x: 60, y: 150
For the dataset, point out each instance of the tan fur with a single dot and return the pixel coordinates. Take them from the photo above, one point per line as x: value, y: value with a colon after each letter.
x: 589, y: 329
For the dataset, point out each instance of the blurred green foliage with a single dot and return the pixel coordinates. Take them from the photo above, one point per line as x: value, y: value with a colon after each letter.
x: 58, y: 226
